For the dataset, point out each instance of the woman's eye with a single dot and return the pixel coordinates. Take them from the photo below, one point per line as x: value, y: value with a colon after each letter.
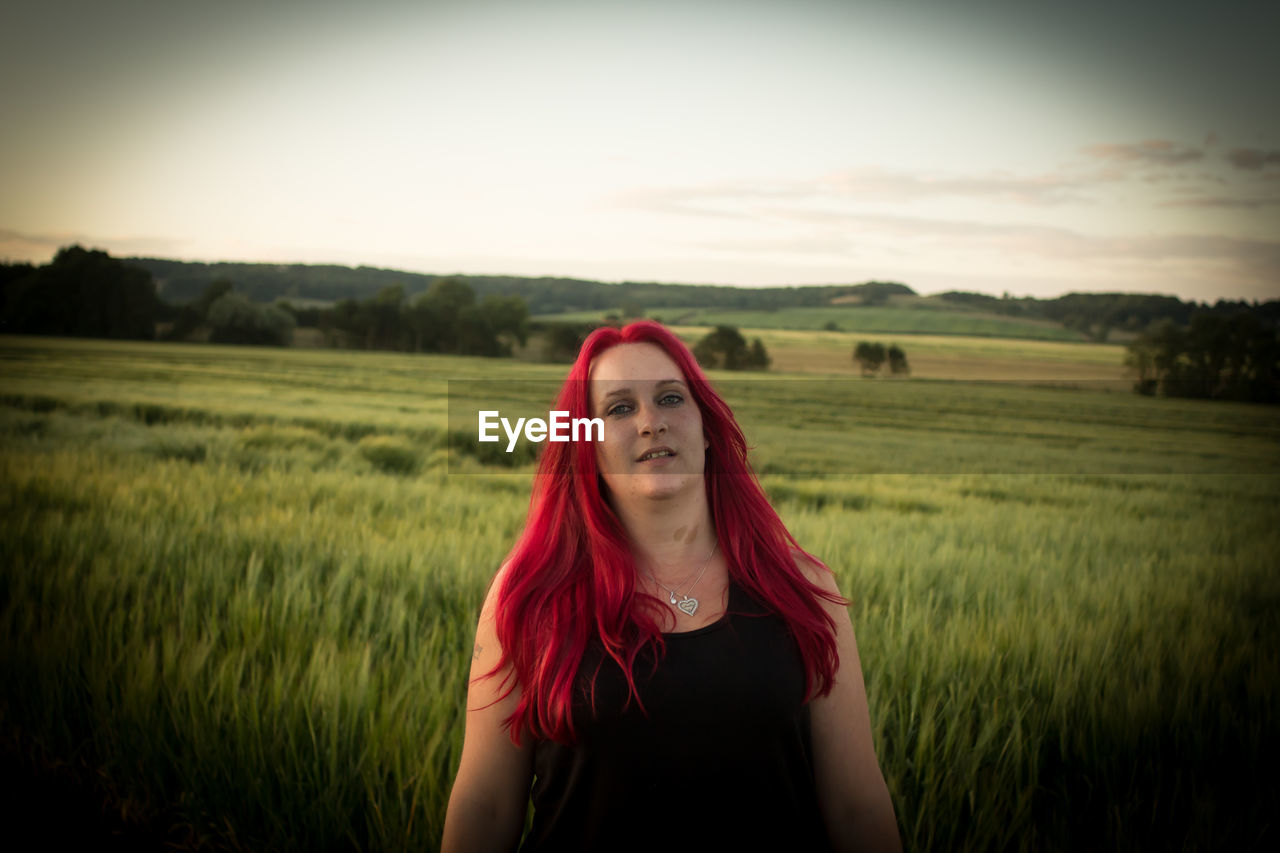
x: 671, y: 399
x: 619, y: 409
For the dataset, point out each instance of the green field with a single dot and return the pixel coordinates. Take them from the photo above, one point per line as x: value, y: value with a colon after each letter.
x: 239, y: 587
x: 941, y: 356
x: 974, y: 359
x: 911, y: 316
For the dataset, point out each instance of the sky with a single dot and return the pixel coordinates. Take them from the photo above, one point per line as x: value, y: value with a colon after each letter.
x: 1029, y: 147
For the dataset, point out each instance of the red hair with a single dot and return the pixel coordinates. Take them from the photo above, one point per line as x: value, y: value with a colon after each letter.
x: 571, y: 576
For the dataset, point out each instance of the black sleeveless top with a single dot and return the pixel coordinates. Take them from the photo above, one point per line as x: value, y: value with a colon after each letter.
x: 723, y: 759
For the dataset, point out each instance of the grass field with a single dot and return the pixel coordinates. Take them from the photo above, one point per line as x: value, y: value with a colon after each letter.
x: 239, y: 587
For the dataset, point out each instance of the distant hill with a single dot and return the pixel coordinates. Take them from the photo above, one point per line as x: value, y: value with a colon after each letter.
x: 179, y: 282
x: 904, y: 315
x: 870, y: 306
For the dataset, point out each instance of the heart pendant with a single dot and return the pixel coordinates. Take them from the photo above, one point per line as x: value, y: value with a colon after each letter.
x: 689, y: 606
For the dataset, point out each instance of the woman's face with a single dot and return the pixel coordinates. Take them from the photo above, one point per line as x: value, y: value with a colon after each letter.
x: 653, y: 444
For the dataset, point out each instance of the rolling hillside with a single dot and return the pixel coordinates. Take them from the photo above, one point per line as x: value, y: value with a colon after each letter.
x: 903, y: 315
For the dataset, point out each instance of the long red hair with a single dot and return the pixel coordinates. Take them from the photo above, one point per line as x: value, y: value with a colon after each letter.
x: 571, y: 575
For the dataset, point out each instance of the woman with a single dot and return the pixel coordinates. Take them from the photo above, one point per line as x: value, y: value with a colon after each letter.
x: 657, y: 657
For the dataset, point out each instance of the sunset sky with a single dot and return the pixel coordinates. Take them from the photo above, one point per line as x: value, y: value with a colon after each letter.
x: 1030, y: 147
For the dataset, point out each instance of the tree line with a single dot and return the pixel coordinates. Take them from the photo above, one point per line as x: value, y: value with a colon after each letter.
x: 183, y: 281
x: 1230, y: 350
x: 1216, y: 356
x: 447, y: 318
x: 80, y: 293
x: 1093, y: 315
x: 87, y: 293
x: 1097, y: 315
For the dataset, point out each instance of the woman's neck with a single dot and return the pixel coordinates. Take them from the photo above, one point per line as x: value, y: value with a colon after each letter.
x: 669, y: 537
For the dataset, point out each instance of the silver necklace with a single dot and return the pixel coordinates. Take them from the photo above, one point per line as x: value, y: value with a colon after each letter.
x: 687, y: 603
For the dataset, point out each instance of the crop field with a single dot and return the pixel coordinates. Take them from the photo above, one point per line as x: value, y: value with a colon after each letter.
x: 968, y: 358
x: 239, y: 587
x: 974, y: 359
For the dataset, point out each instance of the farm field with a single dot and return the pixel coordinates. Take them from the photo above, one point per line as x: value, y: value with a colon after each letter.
x: 959, y: 357
x: 916, y: 316
x: 239, y: 587
x: 949, y: 356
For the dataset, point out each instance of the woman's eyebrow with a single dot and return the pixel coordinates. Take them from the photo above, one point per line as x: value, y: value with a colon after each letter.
x: 626, y: 392
x: 617, y: 392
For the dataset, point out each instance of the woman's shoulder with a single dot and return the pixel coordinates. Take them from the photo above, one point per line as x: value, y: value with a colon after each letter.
x: 815, y: 571
x: 818, y: 581
x: 493, y: 595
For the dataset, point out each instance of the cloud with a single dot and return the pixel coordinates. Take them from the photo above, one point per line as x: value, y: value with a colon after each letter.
x: 1046, y: 222
x: 848, y: 233
x: 1070, y: 184
x: 44, y: 241
x: 867, y: 184
x: 871, y: 184
x: 1253, y: 159
x: 694, y: 201
x: 1222, y: 201
x: 1152, y: 152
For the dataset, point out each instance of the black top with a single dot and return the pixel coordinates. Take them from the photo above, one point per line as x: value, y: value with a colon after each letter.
x: 722, y: 760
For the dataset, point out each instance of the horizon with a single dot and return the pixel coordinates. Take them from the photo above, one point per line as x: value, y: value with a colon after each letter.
x: 1027, y: 148
x: 826, y: 284
x: 618, y: 282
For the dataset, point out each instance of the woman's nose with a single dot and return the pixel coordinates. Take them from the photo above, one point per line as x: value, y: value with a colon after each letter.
x: 652, y: 421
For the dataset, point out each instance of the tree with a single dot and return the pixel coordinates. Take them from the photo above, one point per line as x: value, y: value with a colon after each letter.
x: 1141, y: 358
x: 725, y: 347
x: 217, y: 288
x: 445, y: 318
x: 438, y: 311
x: 386, y: 327
x: 451, y: 294
x: 1217, y: 356
x: 509, y: 317
x: 186, y: 318
x: 869, y: 357
x: 564, y: 340
x: 233, y: 319
x: 898, y: 361
x: 476, y: 335
x: 83, y: 293
x: 758, y: 358
x: 427, y: 322
x: 346, y: 321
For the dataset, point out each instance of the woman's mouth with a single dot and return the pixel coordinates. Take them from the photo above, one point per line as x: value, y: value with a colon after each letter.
x: 656, y: 453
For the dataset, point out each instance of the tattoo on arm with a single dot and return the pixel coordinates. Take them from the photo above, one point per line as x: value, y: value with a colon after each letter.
x: 476, y: 654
